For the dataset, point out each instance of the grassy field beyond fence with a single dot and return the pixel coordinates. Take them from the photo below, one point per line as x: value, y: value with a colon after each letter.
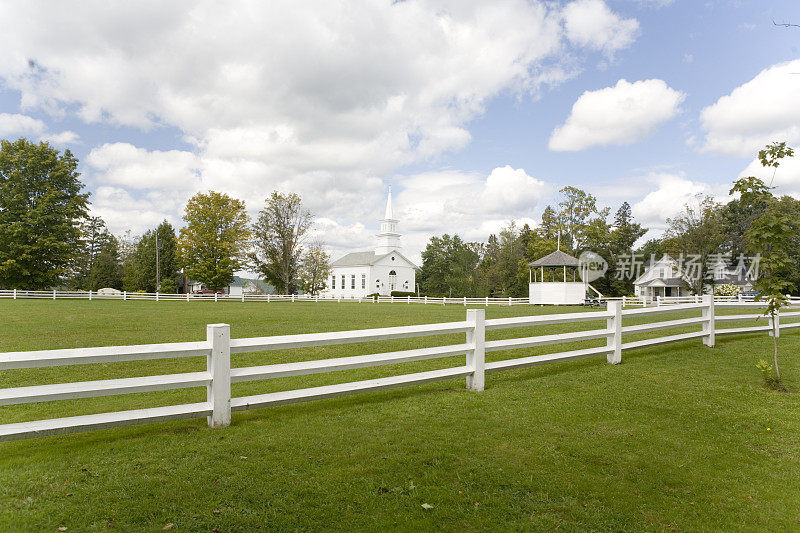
x: 677, y: 437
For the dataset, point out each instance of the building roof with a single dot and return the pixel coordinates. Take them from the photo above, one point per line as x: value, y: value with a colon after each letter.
x: 262, y: 285
x: 662, y: 282
x: 356, y: 259
x: 733, y: 279
x: 366, y: 259
x: 557, y: 258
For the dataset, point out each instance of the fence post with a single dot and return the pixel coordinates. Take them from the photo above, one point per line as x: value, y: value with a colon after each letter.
x: 219, y: 366
x: 90, y: 295
x: 292, y: 297
x: 614, y: 339
x: 267, y: 298
x: 187, y: 296
x: 658, y: 301
x: 409, y: 299
x: 708, y: 324
x: 476, y: 358
x: 775, y: 329
x: 623, y: 300
x: 54, y: 294
x: 426, y: 299
x: 15, y: 294
x: 124, y: 295
x: 156, y: 295
x: 242, y: 296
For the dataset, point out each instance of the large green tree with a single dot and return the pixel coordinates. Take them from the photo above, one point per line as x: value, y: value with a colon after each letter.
x: 695, y: 234
x: 41, y: 206
x: 213, y: 244
x: 315, y: 267
x: 449, y: 267
x: 279, y: 233
x: 95, y: 238
x: 106, y: 270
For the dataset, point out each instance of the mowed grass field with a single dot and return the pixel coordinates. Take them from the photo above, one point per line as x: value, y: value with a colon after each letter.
x: 677, y: 437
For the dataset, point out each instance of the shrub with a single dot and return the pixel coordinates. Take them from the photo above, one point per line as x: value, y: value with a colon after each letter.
x: 404, y: 294
x: 728, y: 289
x: 769, y: 379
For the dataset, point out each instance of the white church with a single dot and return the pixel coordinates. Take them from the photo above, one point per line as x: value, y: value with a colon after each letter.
x: 380, y: 271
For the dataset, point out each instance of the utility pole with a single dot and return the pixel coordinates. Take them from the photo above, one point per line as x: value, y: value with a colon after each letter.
x: 158, y: 270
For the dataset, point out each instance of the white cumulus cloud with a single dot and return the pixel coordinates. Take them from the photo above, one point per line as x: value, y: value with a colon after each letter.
x: 16, y: 124
x: 670, y: 194
x: 591, y: 23
x: 123, y: 164
x: 325, y: 98
x: 763, y: 110
x: 618, y: 115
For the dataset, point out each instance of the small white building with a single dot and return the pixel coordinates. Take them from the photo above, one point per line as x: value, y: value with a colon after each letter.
x: 381, y: 271
x: 555, y: 279
x: 660, y: 278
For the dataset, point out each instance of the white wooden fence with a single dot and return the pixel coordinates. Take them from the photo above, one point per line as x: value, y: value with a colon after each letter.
x: 164, y: 297
x: 218, y: 376
x: 739, y: 300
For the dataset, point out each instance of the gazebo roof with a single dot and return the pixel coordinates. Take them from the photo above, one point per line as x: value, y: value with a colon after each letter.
x: 557, y: 258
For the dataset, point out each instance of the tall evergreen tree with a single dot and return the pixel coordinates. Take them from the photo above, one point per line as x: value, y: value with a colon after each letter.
x: 140, y: 265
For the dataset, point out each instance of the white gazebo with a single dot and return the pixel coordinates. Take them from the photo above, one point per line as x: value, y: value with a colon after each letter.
x: 557, y: 279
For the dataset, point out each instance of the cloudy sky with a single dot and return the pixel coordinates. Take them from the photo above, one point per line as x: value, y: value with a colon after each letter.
x: 475, y: 113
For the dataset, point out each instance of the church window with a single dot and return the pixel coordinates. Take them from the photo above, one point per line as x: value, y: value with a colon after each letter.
x: 343, y: 285
x: 352, y: 281
x: 363, y: 281
x: 333, y: 282
x: 392, y: 258
x: 392, y: 280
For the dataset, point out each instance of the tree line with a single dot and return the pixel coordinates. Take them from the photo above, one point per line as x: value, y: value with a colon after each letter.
x: 754, y: 222
x: 48, y: 238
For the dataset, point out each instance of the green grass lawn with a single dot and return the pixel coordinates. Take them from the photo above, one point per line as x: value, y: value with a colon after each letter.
x: 678, y: 436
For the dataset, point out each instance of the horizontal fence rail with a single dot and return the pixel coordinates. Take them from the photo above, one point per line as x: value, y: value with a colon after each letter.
x: 627, y: 301
x: 218, y: 347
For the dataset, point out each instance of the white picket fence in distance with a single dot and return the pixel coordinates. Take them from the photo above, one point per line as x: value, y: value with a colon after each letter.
x: 219, y: 346
x: 169, y: 297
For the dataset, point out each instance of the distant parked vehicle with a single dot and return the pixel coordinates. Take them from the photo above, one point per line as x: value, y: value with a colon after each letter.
x: 207, y: 291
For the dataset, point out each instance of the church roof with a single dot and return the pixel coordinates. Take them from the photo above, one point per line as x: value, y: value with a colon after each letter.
x: 355, y: 259
x: 365, y: 259
x: 557, y: 258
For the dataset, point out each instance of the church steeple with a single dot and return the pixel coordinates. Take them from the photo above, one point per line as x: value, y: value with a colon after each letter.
x: 388, y: 238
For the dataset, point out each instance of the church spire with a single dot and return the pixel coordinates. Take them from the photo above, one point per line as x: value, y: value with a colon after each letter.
x: 389, y: 215
x: 388, y: 238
